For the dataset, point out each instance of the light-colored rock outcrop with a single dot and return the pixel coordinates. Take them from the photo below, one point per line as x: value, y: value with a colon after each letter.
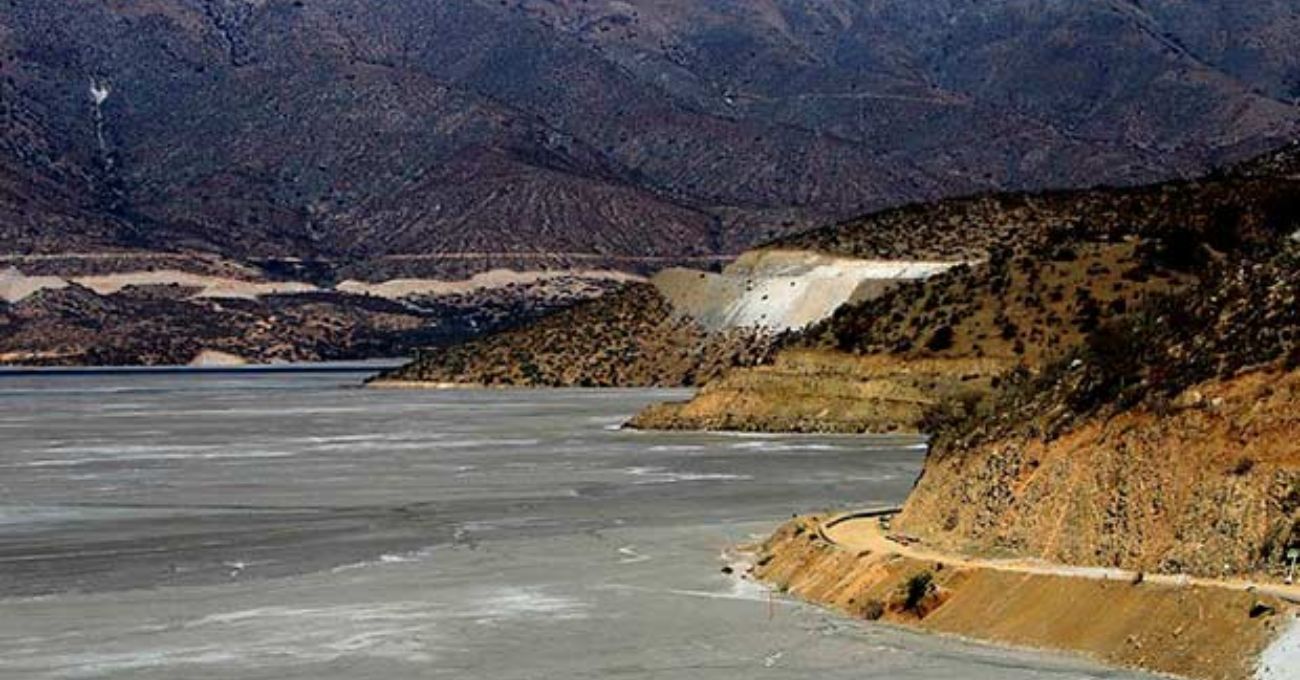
x: 780, y: 290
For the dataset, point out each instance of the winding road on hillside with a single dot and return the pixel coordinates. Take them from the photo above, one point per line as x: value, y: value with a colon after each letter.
x: 861, y: 530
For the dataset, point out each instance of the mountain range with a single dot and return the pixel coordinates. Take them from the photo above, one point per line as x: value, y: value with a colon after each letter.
x: 445, y: 137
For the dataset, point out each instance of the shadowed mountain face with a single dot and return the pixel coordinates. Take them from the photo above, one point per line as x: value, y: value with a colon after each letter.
x: 359, y: 130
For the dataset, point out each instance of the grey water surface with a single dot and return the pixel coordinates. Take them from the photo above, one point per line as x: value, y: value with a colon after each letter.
x: 289, y: 525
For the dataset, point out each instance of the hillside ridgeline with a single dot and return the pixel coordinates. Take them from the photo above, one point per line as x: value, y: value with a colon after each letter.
x: 1046, y: 271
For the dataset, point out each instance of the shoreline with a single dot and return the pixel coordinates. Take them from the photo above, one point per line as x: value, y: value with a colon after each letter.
x: 308, y: 367
x: 420, y: 385
x: 1192, y: 630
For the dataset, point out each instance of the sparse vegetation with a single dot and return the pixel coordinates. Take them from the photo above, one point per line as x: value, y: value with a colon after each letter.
x: 917, y: 588
x: 873, y: 610
x: 627, y: 338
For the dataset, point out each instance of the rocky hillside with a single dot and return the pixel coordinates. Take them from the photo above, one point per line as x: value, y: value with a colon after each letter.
x: 1047, y: 270
x: 326, y: 140
x: 1255, y: 198
x: 631, y: 338
x: 453, y: 137
x: 1164, y: 443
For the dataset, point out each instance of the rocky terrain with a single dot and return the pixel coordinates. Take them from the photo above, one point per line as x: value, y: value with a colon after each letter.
x: 1164, y: 443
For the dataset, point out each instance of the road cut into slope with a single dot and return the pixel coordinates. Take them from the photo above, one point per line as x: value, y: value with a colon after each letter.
x: 1193, y: 628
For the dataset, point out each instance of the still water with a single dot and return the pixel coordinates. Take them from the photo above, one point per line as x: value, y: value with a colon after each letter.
x: 292, y: 526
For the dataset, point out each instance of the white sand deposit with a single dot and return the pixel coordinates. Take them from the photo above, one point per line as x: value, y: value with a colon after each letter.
x: 1281, y: 660
x: 212, y: 358
x: 784, y: 290
x: 210, y: 286
x: 16, y: 286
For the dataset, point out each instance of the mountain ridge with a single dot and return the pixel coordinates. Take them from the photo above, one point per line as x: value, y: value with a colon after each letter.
x: 728, y: 122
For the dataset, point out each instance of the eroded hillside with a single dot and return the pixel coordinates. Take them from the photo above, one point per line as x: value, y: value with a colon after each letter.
x: 1165, y: 443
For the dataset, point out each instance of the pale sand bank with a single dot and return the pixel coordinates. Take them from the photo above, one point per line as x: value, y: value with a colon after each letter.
x: 783, y: 290
x: 16, y: 286
x: 214, y: 358
x: 496, y: 278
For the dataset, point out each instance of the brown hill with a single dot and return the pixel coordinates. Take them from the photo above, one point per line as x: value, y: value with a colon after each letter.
x: 1165, y: 443
x: 630, y: 338
x: 1050, y: 269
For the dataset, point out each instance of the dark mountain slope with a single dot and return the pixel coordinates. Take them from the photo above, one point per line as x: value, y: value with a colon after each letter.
x: 357, y: 130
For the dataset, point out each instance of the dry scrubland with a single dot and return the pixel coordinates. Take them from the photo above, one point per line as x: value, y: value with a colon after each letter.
x: 1159, y: 441
x: 630, y: 338
x: 1048, y: 271
x: 1164, y: 443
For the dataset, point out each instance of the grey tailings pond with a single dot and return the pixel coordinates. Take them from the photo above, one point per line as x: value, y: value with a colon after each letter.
x: 290, y: 526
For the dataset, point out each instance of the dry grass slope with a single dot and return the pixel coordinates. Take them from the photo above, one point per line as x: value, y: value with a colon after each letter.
x: 1053, y: 269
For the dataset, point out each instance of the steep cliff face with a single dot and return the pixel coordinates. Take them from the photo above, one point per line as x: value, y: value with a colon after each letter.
x: 1166, y: 443
x: 1205, y: 632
